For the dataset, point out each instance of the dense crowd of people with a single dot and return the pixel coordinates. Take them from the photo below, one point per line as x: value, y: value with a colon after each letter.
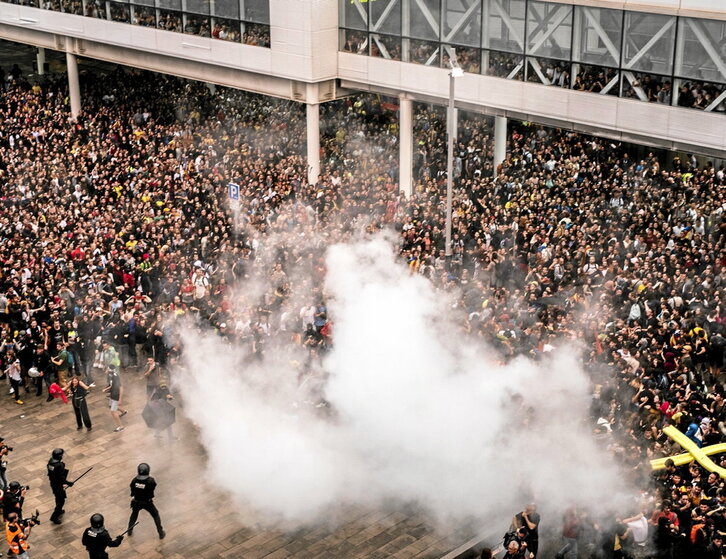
x: 116, y: 226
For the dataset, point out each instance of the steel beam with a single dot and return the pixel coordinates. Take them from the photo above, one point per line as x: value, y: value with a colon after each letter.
x: 384, y: 15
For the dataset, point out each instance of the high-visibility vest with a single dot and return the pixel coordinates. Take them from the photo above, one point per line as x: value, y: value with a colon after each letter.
x: 16, y: 541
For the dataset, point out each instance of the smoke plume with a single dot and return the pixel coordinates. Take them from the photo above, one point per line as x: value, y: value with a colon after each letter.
x: 422, y: 414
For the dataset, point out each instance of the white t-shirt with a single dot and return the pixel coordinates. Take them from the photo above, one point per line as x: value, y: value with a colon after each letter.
x: 639, y: 529
x: 307, y: 315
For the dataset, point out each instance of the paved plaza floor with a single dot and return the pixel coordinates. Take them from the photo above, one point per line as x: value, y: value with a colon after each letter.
x: 200, y: 522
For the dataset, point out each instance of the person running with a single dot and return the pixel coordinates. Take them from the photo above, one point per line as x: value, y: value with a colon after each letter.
x: 115, y: 391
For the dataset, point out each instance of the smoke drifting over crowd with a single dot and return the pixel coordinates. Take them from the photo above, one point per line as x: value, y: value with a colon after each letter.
x: 422, y: 415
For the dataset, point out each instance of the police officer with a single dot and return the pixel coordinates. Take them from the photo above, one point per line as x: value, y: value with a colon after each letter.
x: 58, y: 477
x: 13, y: 500
x: 16, y: 534
x: 142, y: 498
x: 96, y: 539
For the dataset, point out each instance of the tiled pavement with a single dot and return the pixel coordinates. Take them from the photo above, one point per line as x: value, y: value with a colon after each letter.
x: 199, y: 521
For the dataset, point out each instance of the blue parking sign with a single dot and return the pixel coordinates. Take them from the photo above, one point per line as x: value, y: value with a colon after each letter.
x: 233, y: 191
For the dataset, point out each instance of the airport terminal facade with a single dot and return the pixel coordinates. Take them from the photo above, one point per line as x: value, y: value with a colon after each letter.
x: 618, y: 68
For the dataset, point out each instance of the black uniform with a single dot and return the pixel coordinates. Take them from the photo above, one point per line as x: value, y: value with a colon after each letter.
x: 142, y: 498
x: 96, y: 540
x: 13, y: 502
x: 58, y: 477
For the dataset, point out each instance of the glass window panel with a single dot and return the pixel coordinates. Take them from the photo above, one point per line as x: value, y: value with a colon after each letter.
x: 503, y: 65
x: 596, y: 79
x: 353, y: 14
x: 701, y: 50
x: 646, y: 87
x: 549, y: 29
x: 226, y: 8
x: 598, y: 34
x: 144, y: 16
x: 170, y: 21
x: 197, y: 7
x: 354, y: 41
x: 52, y: 5
x: 424, y: 52
x: 174, y: 5
x: 150, y: 3
x: 257, y: 11
x: 648, y: 43
x: 385, y: 16
x: 462, y: 22
x: 696, y: 94
x: 504, y: 25
x: 72, y: 7
x: 385, y: 46
x: 548, y: 72
x: 256, y: 34
x: 468, y: 58
x: 119, y: 12
x: 197, y: 25
x: 226, y: 30
x: 424, y: 19
x: 96, y: 8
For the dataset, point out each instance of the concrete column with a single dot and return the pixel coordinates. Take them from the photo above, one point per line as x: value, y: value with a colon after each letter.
x: 313, y: 129
x: 455, y: 124
x: 40, y: 60
x: 405, y: 145
x: 406, y: 30
x: 74, y: 87
x: 500, y: 141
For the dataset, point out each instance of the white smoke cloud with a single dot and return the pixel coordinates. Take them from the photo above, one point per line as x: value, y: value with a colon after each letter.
x: 422, y: 413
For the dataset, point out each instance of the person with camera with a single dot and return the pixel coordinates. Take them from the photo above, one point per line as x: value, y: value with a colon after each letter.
x: 96, y: 538
x: 58, y: 477
x: 13, y: 499
x: 16, y: 534
x: 4, y: 451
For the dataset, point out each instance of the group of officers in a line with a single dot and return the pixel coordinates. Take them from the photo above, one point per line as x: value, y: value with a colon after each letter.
x: 96, y: 538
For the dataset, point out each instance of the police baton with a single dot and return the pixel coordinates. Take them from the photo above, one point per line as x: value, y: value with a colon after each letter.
x: 83, y: 474
x: 128, y: 530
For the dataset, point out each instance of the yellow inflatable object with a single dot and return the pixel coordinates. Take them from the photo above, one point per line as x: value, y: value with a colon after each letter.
x: 700, y: 455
